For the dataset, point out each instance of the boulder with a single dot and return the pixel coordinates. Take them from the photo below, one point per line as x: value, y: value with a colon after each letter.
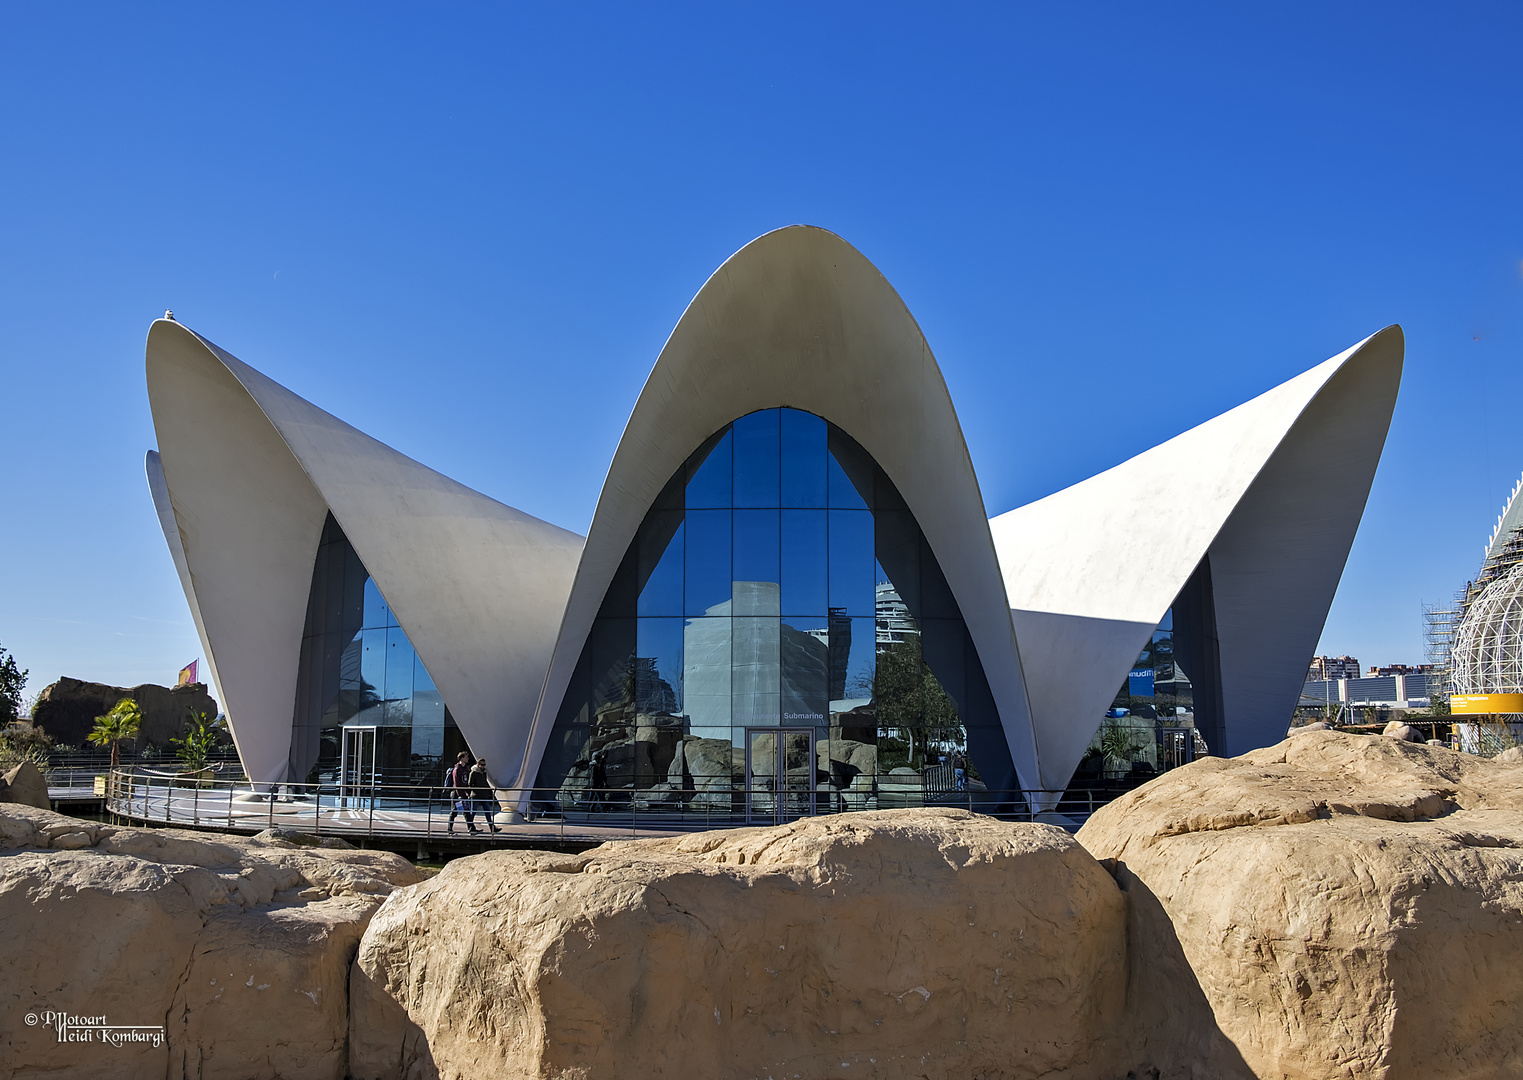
x: 237, y: 950
x: 67, y: 709
x: 1395, y: 729
x: 712, y: 770
x: 1315, y: 725
x: 1511, y: 756
x: 890, y: 944
x: 1337, y: 905
x: 25, y: 785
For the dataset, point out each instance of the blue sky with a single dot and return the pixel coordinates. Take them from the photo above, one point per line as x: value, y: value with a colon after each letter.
x: 468, y: 229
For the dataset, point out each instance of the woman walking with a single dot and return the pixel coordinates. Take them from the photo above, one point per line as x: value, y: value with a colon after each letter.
x: 483, y: 798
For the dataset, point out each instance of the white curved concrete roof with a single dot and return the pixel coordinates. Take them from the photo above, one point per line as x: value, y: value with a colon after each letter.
x: 252, y: 470
x: 800, y: 318
x: 1271, y: 491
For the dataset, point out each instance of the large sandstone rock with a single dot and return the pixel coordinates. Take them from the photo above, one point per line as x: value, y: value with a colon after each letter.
x: 26, y: 786
x: 898, y: 944
x: 238, y: 948
x: 67, y: 709
x: 1338, y: 905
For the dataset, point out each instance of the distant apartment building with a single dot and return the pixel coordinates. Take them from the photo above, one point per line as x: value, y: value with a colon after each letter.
x: 1399, y: 669
x: 1332, y: 668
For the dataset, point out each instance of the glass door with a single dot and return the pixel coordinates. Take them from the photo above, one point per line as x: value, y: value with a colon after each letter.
x: 356, y: 774
x: 779, y: 774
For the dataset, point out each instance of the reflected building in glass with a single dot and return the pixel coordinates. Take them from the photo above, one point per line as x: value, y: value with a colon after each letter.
x: 778, y: 587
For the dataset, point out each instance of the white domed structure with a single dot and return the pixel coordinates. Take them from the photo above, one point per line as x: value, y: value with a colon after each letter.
x: 1488, y: 646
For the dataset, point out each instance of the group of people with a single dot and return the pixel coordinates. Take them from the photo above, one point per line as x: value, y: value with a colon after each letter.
x: 471, y: 793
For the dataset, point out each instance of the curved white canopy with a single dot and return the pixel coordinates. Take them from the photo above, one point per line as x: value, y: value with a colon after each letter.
x: 1272, y: 491
x: 252, y: 470
x: 800, y: 318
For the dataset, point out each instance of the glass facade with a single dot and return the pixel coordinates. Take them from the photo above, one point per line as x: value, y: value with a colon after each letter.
x: 366, y: 707
x: 1169, y: 709
x: 778, y: 639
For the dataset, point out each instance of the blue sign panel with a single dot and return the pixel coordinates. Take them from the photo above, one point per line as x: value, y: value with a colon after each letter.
x: 1139, y: 682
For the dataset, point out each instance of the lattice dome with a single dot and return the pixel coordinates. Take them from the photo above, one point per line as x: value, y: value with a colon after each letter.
x: 1488, y: 646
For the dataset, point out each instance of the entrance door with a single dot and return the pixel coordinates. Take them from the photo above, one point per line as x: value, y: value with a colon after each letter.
x: 356, y: 773
x: 779, y: 774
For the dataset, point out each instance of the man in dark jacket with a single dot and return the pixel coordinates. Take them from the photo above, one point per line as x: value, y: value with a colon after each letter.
x: 458, y: 783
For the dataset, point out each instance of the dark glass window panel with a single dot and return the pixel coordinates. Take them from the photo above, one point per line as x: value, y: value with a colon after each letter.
x: 427, y: 704
x: 1168, y: 620
x: 936, y: 600
x: 803, y: 459
x: 349, y: 663
x: 624, y: 590
x: 355, y: 577
x: 708, y: 474
x: 755, y: 671
x: 851, y: 474
x: 853, y: 567
x: 708, y: 575
x: 897, y: 548
x: 400, y: 659
x: 377, y: 613
x: 372, y: 674
x: 706, y: 677
x: 330, y: 607
x: 941, y: 644
x: 861, y: 659
x: 611, y: 670
x: 658, y: 667
x: 804, y: 562
x: 756, y: 563
x: 349, y: 704
x: 804, y: 652
x: 660, y: 544
x: 757, y: 464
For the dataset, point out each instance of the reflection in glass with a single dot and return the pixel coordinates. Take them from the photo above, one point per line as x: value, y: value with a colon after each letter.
x: 810, y: 618
x: 803, y: 460
x: 658, y: 679
x: 852, y: 564
x: 708, y: 474
x: 706, y: 675
x: 661, y: 564
x: 708, y: 561
x: 359, y: 670
x: 757, y: 467
x: 756, y: 563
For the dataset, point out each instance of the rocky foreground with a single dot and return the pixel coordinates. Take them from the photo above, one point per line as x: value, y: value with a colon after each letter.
x: 1338, y: 905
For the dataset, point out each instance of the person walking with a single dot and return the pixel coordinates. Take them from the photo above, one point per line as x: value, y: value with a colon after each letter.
x: 483, y: 798
x: 458, y: 782
x: 960, y: 770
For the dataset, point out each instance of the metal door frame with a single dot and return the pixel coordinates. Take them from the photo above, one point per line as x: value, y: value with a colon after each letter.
x: 777, y: 815
x: 348, y: 786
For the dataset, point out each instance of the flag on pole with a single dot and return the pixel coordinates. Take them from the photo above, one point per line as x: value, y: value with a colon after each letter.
x: 188, y: 673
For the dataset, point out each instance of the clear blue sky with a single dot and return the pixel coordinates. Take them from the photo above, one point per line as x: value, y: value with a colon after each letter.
x: 467, y: 229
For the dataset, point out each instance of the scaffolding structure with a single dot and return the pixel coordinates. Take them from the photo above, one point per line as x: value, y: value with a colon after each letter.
x: 1439, y: 623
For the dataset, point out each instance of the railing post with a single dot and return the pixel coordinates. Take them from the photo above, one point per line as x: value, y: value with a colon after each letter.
x: 195, y: 804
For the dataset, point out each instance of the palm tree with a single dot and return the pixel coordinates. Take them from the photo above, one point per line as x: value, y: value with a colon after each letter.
x: 122, y: 722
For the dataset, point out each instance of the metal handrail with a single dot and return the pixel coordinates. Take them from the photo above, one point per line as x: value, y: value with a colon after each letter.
x: 396, y: 811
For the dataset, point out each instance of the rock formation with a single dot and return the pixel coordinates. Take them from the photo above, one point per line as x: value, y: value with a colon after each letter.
x: 1337, y: 905
x: 239, y: 948
x: 67, y: 709
x: 891, y: 944
x: 26, y: 786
